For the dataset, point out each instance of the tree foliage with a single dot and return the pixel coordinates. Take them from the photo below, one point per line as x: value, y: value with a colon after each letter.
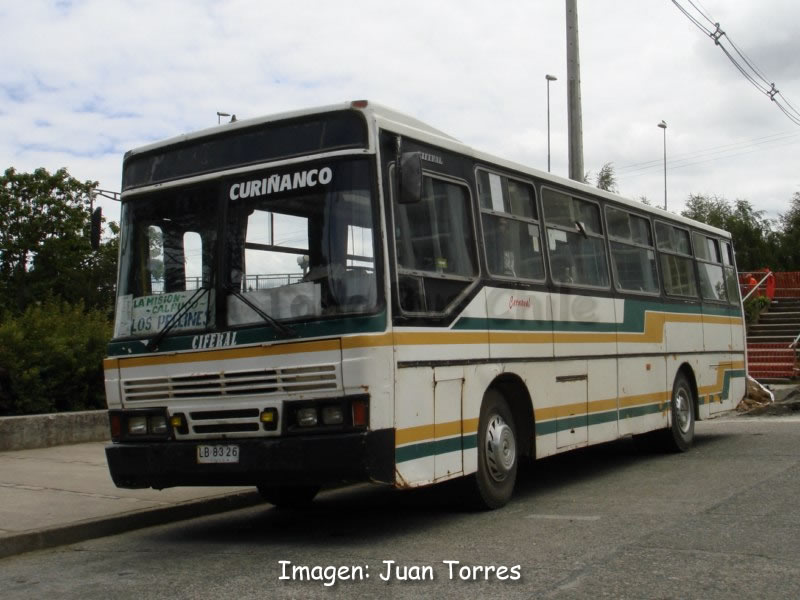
x: 56, y: 294
x: 606, y: 178
x: 45, y: 249
x: 51, y: 358
x: 790, y: 235
x: 756, y: 243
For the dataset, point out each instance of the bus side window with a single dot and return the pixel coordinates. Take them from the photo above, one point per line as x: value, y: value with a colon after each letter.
x: 510, y: 227
x: 676, y: 260
x: 633, y: 256
x: 436, y: 255
x: 575, y: 240
x: 709, y: 264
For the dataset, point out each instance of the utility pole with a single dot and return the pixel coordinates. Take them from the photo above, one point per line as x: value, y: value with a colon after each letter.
x: 549, y: 78
x: 574, y: 119
x: 663, y: 125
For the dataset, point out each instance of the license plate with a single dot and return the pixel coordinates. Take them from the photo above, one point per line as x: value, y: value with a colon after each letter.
x: 217, y: 453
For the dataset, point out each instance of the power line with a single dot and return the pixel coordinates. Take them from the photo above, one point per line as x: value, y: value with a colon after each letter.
x: 712, y: 150
x: 682, y: 164
x: 749, y: 70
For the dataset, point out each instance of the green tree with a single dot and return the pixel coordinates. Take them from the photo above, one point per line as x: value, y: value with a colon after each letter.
x: 44, y: 242
x: 606, y: 179
x: 51, y: 358
x: 56, y: 294
x: 790, y: 236
x: 754, y: 238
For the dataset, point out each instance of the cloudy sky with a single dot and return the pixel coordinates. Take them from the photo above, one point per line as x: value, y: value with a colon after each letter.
x: 82, y: 81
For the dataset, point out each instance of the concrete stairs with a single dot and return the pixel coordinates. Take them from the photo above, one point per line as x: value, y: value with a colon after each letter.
x: 769, y: 356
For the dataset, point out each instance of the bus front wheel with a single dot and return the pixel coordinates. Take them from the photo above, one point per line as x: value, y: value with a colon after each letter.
x: 498, y: 454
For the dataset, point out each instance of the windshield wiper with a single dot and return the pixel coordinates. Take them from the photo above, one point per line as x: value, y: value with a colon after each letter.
x: 285, y: 330
x: 176, y: 317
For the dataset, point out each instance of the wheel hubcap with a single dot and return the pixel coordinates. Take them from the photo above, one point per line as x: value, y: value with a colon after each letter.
x: 683, y: 410
x: 501, y: 448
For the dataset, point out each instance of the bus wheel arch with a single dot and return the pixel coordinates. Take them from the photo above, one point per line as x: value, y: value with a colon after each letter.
x: 504, y: 424
x: 516, y: 394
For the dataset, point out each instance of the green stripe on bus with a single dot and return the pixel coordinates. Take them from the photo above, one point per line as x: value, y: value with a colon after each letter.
x: 633, y: 319
x: 259, y: 335
x: 425, y: 449
x: 433, y: 448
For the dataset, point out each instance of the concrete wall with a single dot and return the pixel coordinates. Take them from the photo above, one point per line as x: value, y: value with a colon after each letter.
x: 41, y: 431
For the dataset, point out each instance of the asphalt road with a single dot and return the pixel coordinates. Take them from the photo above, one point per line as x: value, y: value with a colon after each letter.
x: 718, y: 522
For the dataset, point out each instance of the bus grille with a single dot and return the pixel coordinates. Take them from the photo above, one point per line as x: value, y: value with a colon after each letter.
x: 261, y: 382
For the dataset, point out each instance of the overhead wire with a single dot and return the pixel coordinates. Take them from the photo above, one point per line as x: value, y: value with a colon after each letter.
x: 702, y: 154
x: 684, y: 163
x: 749, y: 70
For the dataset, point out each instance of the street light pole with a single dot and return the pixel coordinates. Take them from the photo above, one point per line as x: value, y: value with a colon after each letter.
x: 549, y: 78
x: 663, y: 125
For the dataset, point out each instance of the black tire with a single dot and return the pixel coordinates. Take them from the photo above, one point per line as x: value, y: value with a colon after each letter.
x: 680, y: 434
x: 294, y: 496
x: 498, y: 453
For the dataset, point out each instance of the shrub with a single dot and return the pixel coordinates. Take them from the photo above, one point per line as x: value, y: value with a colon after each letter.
x: 753, y: 307
x: 51, y: 358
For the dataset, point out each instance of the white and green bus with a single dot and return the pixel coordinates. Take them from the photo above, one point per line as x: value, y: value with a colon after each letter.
x: 346, y: 294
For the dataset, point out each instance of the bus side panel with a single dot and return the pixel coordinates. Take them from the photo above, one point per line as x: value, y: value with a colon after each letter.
x: 436, y: 413
x: 368, y: 366
x: 683, y: 333
x: 414, y: 434
x: 520, y: 324
x: 643, y: 388
x: 721, y: 383
x: 602, y: 397
x: 583, y: 325
x: 586, y: 326
x: 643, y: 394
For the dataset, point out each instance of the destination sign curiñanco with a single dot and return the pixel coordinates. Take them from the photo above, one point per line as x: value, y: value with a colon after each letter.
x: 265, y: 186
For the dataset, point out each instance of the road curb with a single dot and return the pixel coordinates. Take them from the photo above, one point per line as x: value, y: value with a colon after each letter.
x: 116, y: 524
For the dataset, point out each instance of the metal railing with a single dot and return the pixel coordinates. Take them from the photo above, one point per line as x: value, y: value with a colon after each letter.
x: 758, y: 285
x: 249, y: 282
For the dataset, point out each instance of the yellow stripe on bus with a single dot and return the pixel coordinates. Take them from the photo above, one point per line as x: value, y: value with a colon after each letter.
x: 422, y: 433
x: 653, y: 333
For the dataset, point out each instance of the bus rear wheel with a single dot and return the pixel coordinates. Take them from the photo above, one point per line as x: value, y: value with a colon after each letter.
x: 680, y: 435
x: 498, y: 455
x: 293, y: 496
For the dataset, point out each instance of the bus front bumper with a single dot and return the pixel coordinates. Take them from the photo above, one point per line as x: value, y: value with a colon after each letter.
x: 321, y: 459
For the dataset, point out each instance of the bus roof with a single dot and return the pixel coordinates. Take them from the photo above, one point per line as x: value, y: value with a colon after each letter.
x: 389, y: 119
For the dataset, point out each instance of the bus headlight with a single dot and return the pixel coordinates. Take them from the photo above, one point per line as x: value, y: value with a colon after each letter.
x: 137, y: 425
x: 157, y: 425
x: 307, y: 417
x: 332, y: 415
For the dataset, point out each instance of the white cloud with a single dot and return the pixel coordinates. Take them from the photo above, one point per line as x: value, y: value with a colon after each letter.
x: 81, y: 82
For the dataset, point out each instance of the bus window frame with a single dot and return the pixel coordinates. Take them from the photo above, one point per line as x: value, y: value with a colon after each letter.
x: 654, y: 248
x: 397, y: 271
x: 720, y: 263
x: 602, y: 236
x: 539, y: 223
x: 697, y: 297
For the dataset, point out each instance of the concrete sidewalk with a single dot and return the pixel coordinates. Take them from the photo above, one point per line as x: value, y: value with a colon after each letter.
x: 64, y: 494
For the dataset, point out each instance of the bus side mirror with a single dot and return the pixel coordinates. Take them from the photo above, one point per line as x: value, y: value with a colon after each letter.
x: 410, y: 178
x: 96, y: 228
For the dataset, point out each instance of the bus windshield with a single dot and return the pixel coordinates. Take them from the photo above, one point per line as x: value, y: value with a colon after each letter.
x: 297, y: 244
